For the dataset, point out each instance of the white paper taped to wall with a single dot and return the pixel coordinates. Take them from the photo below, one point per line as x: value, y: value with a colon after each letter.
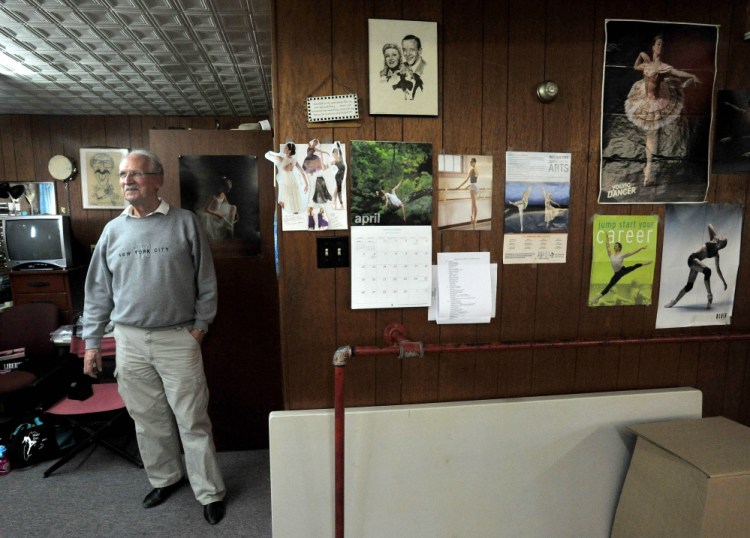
x: 332, y: 108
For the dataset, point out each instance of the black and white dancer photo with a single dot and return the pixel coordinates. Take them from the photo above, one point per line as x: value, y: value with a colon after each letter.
x: 696, y: 263
x: 700, y: 259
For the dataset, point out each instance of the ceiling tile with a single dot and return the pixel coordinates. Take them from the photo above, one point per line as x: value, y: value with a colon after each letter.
x: 204, y: 57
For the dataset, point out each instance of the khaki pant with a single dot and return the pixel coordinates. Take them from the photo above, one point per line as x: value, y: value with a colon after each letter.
x: 161, y: 380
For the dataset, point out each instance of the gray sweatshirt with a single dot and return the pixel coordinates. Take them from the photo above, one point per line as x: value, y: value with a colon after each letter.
x: 150, y: 272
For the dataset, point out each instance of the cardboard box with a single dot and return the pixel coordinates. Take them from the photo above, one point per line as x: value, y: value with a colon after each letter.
x: 687, y: 478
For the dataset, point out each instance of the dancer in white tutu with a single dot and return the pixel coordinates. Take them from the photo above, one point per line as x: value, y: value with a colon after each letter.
x: 551, y: 208
x: 657, y: 99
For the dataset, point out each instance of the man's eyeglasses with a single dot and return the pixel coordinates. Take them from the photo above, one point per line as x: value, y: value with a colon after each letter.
x: 136, y: 175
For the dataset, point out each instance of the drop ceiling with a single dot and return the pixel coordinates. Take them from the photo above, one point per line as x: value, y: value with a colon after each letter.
x: 135, y: 57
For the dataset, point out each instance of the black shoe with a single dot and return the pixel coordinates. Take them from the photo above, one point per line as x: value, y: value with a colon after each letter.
x: 158, y: 495
x: 214, y: 512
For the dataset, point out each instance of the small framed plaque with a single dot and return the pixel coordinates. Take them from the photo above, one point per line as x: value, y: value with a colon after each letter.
x: 332, y: 108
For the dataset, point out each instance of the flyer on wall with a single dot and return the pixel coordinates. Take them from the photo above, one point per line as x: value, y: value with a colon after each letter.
x: 622, y: 260
x: 700, y: 259
x: 537, y: 196
x: 311, y: 182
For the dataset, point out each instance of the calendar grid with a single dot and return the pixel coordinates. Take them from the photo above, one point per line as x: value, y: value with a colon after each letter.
x: 391, y: 266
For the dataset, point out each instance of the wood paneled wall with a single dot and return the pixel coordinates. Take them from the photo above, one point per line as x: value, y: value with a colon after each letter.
x: 242, y: 348
x: 492, y: 55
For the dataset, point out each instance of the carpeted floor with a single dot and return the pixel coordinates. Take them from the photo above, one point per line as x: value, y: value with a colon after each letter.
x: 99, y: 494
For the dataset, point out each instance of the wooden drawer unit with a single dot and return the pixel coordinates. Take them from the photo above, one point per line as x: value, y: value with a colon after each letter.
x: 63, y: 288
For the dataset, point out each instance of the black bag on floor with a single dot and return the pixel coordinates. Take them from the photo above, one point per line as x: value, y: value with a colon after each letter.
x: 31, y: 442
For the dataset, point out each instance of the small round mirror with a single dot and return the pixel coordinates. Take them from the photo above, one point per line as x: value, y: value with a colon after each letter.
x: 61, y: 168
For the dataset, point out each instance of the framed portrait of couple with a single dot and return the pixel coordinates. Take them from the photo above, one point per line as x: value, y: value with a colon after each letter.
x: 403, y: 70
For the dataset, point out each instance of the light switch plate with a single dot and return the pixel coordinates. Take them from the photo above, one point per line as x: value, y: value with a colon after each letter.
x: 333, y: 252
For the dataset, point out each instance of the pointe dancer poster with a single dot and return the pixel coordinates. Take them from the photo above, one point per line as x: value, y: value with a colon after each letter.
x: 657, y: 90
x: 699, y: 265
x: 624, y: 250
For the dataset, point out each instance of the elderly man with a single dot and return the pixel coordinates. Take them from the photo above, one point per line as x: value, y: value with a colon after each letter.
x: 152, y: 275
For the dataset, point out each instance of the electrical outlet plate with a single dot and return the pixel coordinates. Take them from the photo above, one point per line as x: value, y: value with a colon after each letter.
x: 333, y: 252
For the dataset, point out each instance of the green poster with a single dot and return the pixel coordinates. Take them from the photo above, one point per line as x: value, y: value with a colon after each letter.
x: 622, y: 260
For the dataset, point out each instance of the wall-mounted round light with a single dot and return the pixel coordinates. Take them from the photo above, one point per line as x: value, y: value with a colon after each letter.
x: 547, y: 91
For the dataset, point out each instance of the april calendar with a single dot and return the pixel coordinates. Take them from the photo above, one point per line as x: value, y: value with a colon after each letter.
x: 391, y: 266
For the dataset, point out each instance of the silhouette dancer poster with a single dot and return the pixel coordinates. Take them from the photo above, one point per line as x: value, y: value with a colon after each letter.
x: 622, y: 260
x: 657, y: 90
x: 699, y: 264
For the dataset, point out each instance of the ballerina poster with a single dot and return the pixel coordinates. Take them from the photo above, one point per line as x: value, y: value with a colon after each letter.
x: 622, y: 258
x: 656, y: 111
x: 222, y: 191
x: 699, y: 264
x: 464, y: 192
x: 311, y: 182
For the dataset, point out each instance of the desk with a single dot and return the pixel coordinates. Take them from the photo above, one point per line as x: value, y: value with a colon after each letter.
x: 61, y: 287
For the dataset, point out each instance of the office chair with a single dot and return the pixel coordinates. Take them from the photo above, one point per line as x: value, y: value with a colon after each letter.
x: 44, y: 374
x: 93, y: 418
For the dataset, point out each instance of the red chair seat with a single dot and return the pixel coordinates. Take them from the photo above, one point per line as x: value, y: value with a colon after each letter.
x: 105, y: 398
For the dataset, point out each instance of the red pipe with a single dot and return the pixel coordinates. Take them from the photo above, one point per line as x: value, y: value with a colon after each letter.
x: 507, y: 346
x: 340, y: 372
x: 395, y: 334
x: 339, y: 361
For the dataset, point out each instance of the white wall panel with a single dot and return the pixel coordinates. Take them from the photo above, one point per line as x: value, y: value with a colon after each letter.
x: 531, y: 467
